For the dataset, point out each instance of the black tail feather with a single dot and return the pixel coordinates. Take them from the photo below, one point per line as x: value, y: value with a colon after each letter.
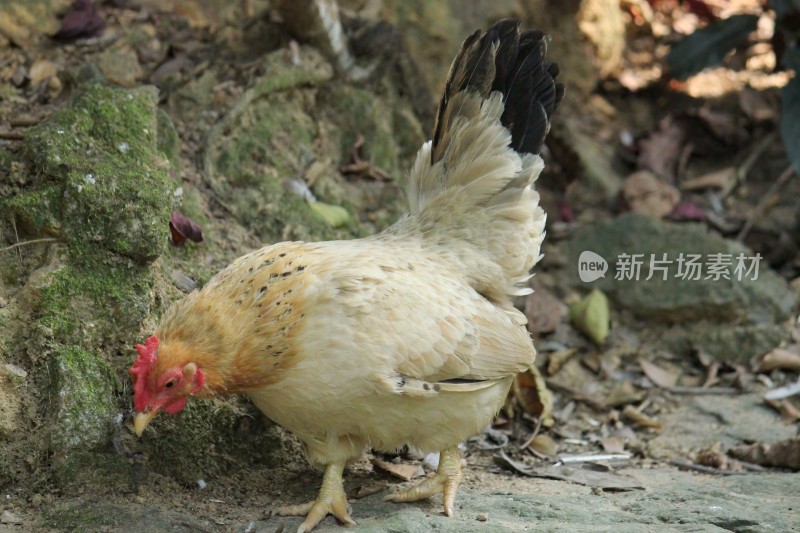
x: 515, y: 64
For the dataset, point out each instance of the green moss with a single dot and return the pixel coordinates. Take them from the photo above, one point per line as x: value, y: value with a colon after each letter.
x: 85, y: 517
x: 93, y: 286
x: 169, y: 143
x: 37, y: 209
x: 358, y: 111
x: 100, y: 173
x: 81, y: 399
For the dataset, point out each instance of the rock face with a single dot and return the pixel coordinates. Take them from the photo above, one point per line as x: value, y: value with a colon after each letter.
x: 100, y: 178
x: 98, y: 184
x: 731, y: 318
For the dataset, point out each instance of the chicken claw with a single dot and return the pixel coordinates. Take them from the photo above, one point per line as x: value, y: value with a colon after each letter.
x: 446, y: 481
x: 330, y: 500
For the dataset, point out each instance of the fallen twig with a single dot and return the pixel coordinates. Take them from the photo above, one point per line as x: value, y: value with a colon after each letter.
x: 12, y: 135
x: 25, y: 243
x: 763, y: 203
x: 593, y: 457
x: 707, y: 469
x: 701, y: 391
x: 740, y: 176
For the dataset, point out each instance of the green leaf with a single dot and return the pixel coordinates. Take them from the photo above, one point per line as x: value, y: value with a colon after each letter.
x: 708, y: 46
x: 591, y: 316
x: 333, y: 215
x: 784, y: 7
x: 790, y: 110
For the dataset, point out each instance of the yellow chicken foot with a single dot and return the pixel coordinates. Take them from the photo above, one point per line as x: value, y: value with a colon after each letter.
x: 330, y: 500
x: 445, y: 480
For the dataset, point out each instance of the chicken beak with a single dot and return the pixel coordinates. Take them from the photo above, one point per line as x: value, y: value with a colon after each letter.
x: 141, y: 420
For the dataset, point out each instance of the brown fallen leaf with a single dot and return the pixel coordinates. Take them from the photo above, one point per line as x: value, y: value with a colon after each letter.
x: 581, y: 476
x: 645, y: 194
x: 635, y: 416
x: 532, y: 394
x: 41, y: 70
x: 623, y: 393
x: 183, y: 228
x: 789, y: 413
x: 402, y: 471
x: 613, y: 444
x: 544, y: 446
x: 82, y: 20
x: 718, y: 179
x: 781, y: 454
x: 555, y: 360
x: 782, y: 358
x: 661, y: 377
x: 661, y: 150
x: 713, y: 457
x: 544, y: 311
x: 362, y: 491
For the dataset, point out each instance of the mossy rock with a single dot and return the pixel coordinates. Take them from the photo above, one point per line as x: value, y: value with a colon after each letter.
x: 210, y: 438
x: 81, y: 400
x: 765, y: 300
x: 96, y: 300
x: 101, y: 179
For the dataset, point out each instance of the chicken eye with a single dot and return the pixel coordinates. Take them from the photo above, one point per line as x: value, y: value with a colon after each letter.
x: 169, y: 384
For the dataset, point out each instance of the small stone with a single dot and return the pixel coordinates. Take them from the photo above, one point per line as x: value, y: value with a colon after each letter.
x: 482, y: 517
x: 10, y: 370
x: 201, y: 484
x: 10, y: 518
x: 182, y: 281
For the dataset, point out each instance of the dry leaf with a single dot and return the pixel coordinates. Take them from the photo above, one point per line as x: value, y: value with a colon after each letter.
x: 778, y: 358
x: 544, y: 445
x: 544, y: 311
x: 555, y: 360
x: 591, y: 316
x: 632, y: 414
x: 366, y: 490
x: 645, y: 194
x: 687, y: 211
x: 623, y: 393
x: 782, y: 454
x: 661, y: 150
x: 789, y: 413
x: 402, y: 471
x: 719, y: 179
x: 662, y: 378
x: 82, y: 20
x: 41, y: 70
x: 582, y: 476
x: 530, y: 391
x: 613, y: 444
x: 183, y: 228
x: 713, y: 457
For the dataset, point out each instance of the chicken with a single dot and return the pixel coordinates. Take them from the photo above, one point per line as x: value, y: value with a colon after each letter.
x: 405, y: 338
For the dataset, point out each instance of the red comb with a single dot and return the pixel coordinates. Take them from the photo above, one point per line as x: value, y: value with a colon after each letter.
x: 140, y: 369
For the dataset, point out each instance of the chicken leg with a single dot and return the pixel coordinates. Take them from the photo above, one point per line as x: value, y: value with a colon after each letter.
x: 330, y: 500
x: 445, y: 480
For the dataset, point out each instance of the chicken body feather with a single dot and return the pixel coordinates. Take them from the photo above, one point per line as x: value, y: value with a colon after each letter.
x: 407, y: 337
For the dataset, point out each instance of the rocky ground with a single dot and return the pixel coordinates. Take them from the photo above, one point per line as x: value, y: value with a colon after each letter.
x: 144, y: 126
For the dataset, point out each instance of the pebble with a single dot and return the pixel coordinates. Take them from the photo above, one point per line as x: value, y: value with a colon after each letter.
x: 482, y: 517
x: 9, y: 518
